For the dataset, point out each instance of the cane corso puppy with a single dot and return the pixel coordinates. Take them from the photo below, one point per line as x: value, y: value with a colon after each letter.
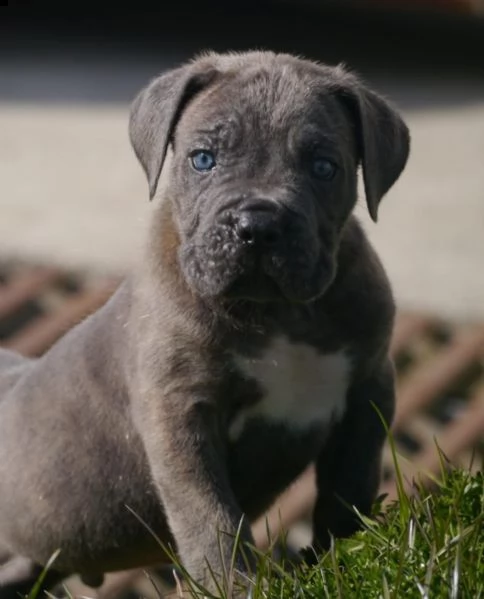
x: 251, y: 341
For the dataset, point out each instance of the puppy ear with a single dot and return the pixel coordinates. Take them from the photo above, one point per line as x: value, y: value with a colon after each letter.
x: 383, y: 140
x: 155, y: 112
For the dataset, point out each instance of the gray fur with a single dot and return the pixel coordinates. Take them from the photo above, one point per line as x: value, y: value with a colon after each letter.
x: 133, y: 406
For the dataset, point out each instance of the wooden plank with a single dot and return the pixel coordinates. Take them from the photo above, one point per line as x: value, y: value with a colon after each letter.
x: 37, y: 336
x: 24, y: 287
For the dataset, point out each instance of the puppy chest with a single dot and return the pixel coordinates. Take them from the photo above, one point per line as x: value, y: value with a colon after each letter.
x: 300, y: 387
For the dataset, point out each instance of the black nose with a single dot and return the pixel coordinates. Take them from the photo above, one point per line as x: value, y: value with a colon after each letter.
x: 259, y: 226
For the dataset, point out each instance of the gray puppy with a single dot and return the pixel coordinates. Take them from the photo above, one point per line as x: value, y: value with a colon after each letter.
x: 252, y: 340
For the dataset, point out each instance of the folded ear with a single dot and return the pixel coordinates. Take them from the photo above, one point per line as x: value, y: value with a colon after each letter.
x: 155, y: 112
x: 383, y: 139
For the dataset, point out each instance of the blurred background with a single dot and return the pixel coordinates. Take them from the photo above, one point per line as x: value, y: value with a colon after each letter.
x: 74, y: 201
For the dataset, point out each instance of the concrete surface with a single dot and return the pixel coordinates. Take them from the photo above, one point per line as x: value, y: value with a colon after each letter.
x: 72, y: 192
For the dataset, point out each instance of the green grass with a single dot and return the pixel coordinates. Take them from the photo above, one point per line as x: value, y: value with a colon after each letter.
x: 428, y: 545
x: 434, y: 548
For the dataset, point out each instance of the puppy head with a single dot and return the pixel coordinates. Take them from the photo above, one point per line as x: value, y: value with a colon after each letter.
x: 263, y: 172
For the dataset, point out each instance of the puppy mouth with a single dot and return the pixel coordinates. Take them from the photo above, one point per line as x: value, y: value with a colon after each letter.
x: 255, y: 285
x: 297, y: 273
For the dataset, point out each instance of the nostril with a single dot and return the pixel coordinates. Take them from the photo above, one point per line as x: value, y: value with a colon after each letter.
x: 258, y: 227
x: 245, y: 230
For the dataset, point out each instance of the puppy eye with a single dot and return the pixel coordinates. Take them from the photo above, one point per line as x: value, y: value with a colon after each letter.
x: 323, y: 168
x: 202, y: 160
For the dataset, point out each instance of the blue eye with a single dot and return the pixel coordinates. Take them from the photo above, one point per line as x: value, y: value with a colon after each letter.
x: 323, y: 168
x: 202, y: 160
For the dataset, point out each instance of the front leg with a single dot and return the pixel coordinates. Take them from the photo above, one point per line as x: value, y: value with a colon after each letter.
x: 187, y: 459
x: 348, y: 469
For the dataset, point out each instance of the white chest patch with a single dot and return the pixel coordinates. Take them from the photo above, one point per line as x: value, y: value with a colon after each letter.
x: 301, y: 386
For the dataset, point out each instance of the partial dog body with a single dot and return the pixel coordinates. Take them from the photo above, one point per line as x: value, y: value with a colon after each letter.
x: 252, y: 341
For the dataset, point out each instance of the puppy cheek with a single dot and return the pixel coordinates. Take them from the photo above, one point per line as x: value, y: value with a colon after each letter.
x: 322, y: 275
x: 195, y: 271
x: 328, y: 270
x: 205, y: 273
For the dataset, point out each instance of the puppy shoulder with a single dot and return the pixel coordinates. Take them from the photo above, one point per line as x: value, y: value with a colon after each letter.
x: 362, y: 292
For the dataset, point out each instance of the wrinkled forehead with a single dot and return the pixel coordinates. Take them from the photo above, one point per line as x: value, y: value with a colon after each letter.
x: 267, y: 102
